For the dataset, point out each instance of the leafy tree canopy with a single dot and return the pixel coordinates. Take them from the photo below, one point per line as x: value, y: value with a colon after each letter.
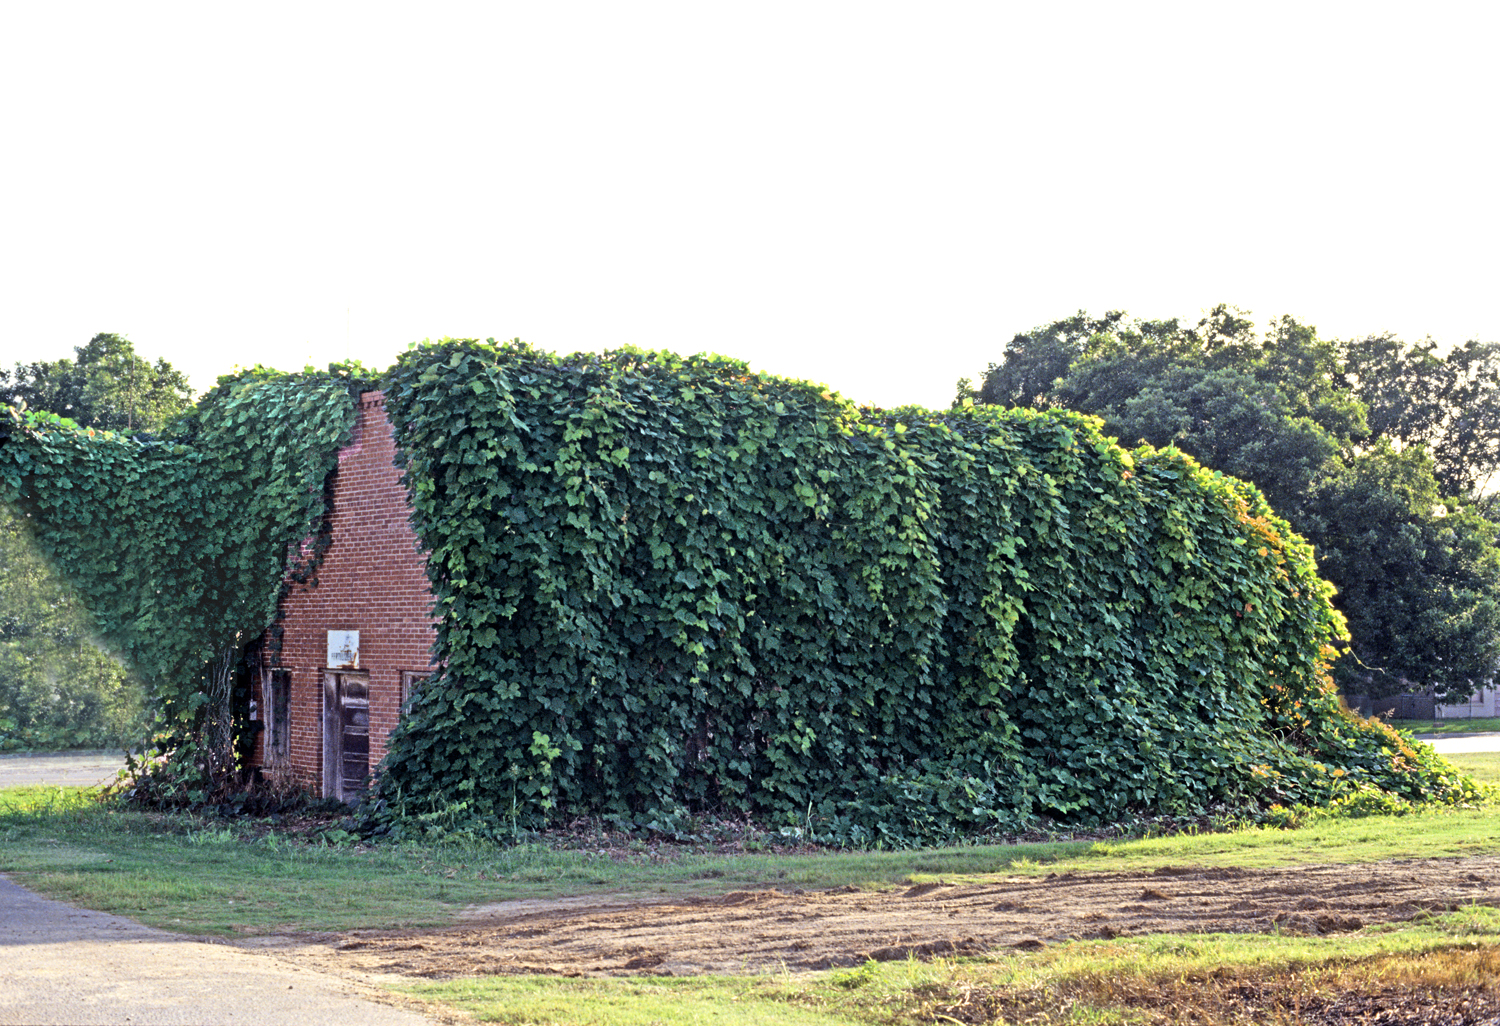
x: 1356, y: 443
x: 1448, y: 404
x: 1419, y: 580
x: 107, y: 386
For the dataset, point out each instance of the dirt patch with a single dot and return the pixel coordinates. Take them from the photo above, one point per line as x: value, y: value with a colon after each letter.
x: 752, y: 931
x: 1389, y: 1006
x: 1223, y: 998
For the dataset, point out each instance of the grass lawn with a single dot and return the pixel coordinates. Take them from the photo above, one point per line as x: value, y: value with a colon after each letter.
x: 212, y: 877
x: 215, y: 877
x: 1482, y: 766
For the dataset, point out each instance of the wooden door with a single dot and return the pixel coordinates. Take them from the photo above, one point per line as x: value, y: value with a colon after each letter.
x: 346, y: 735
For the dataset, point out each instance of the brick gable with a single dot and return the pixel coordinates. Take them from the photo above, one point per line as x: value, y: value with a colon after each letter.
x: 372, y: 580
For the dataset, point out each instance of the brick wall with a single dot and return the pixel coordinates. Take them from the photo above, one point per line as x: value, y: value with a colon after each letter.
x: 371, y: 580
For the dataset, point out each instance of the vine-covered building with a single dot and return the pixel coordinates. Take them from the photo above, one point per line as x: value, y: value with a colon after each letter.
x: 670, y: 587
x: 342, y: 658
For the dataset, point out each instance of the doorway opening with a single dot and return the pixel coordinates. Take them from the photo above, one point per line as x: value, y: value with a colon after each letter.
x: 276, y: 715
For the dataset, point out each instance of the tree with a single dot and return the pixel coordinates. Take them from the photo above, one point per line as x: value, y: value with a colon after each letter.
x: 1355, y: 443
x: 1224, y: 418
x: 1418, y: 578
x: 106, y: 386
x: 1450, y: 404
x: 1035, y: 360
x: 58, y: 688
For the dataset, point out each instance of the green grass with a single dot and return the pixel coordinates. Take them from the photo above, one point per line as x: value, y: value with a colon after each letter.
x: 1476, y: 725
x: 1482, y: 766
x: 1153, y: 978
x: 209, y: 877
x: 42, y: 799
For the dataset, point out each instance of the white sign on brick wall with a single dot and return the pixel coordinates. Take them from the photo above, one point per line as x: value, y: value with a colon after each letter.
x: 343, y: 650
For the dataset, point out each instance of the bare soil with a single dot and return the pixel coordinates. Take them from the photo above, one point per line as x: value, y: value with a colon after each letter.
x: 753, y: 931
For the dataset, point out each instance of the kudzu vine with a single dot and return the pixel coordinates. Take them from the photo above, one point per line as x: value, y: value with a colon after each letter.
x: 670, y: 587
x: 180, y: 545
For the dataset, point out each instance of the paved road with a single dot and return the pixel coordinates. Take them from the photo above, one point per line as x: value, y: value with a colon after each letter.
x: 1451, y: 745
x: 63, y: 769
x: 59, y: 964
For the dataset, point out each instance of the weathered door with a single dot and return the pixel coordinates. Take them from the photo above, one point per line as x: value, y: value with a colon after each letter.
x: 346, y: 735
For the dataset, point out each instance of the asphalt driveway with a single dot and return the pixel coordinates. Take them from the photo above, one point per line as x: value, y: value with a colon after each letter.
x: 1458, y: 744
x: 60, y: 964
x: 60, y: 769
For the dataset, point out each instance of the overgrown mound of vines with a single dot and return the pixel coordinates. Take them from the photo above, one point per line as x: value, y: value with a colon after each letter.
x: 670, y: 587
x: 180, y: 545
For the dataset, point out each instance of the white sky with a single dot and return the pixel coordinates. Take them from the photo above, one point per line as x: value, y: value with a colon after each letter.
x: 871, y: 195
